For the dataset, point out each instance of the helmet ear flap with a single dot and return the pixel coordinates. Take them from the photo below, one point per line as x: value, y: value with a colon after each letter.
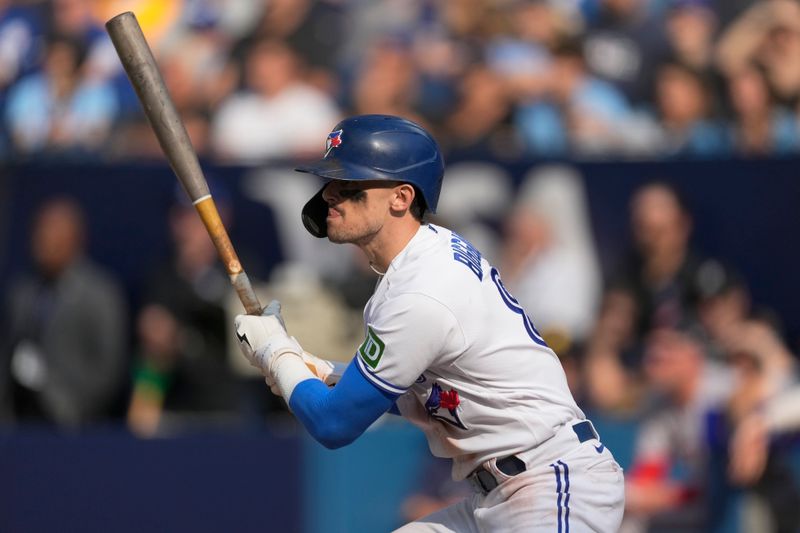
x: 314, y: 215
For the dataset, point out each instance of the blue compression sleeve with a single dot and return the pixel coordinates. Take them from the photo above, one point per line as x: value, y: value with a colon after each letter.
x: 336, y: 417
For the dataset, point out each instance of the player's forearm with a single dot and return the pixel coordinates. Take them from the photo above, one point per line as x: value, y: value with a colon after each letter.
x: 311, y: 405
x: 336, y: 417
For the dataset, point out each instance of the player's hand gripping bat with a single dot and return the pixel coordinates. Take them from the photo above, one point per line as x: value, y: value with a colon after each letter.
x: 140, y: 65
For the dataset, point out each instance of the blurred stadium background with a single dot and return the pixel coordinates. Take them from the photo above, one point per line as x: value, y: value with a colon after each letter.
x: 629, y: 165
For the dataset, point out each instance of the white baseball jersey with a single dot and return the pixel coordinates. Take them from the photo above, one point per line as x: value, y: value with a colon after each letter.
x: 471, y: 369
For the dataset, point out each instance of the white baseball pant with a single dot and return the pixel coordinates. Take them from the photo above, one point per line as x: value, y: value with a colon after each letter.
x: 568, y: 486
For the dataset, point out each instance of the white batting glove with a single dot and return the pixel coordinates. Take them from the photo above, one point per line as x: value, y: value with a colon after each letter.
x: 263, y: 338
x: 329, y: 372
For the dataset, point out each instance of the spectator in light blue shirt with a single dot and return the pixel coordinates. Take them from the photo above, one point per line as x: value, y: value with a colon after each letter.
x: 57, y: 109
x: 684, y: 107
x: 578, y: 111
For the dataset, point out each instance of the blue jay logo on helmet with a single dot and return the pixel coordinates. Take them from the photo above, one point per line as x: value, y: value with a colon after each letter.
x: 334, y: 140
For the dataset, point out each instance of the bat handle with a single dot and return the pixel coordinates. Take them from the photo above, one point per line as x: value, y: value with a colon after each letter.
x: 209, y: 214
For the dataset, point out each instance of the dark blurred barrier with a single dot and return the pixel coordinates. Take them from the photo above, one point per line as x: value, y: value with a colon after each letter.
x: 107, y: 480
x: 110, y: 481
x: 745, y: 212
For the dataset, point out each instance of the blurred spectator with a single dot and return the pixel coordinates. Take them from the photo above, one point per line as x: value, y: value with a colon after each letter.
x: 196, y: 70
x: 60, y: 110
x: 534, y: 28
x: 370, y: 21
x: 622, y: 44
x: 767, y: 35
x: 442, y: 64
x: 76, y: 20
x: 730, y: 10
x: 277, y: 115
x: 387, y: 82
x: 20, y: 31
x: 64, y: 352
x: 473, y: 22
x: 580, y: 112
x: 661, y: 269
x: 668, y: 485
x: 181, y: 366
x: 313, y: 29
x: 654, y: 288
x: 480, y: 122
x: 685, y: 110
x: 612, y: 370
x: 548, y: 259
x: 691, y: 26
x: 759, y: 126
x: 723, y: 302
x: 763, y: 406
x: 523, y: 57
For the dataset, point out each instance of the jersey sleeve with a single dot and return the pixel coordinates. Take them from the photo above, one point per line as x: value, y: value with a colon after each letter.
x: 404, y: 337
x: 337, y: 416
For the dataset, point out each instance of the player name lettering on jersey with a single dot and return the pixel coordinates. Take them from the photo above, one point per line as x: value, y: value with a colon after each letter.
x: 465, y: 253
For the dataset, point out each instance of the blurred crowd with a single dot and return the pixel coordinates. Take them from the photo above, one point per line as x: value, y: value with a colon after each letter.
x: 259, y: 80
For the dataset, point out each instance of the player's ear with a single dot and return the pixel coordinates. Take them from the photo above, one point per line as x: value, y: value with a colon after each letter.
x: 403, y: 197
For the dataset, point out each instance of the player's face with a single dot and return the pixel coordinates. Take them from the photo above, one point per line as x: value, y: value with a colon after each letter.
x: 357, y: 210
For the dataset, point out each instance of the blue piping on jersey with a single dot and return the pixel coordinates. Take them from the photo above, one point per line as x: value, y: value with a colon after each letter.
x: 338, y: 416
x: 379, y: 382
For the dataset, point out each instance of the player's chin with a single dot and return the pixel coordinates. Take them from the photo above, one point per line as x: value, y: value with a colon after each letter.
x: 336, y: 235
x: 337, y: 239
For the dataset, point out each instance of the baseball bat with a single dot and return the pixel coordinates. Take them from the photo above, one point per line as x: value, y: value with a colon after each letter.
x: 142, y: 70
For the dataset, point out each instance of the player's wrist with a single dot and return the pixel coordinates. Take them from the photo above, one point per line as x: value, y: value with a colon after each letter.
x: 275, y: 347
x: 288, y: 370
x: 325, y: 370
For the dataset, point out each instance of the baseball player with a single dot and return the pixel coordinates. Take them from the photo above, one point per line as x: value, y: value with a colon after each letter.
x: 445, y: 345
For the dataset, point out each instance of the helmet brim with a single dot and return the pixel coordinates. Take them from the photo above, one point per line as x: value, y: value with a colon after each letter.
x: 338, y: 170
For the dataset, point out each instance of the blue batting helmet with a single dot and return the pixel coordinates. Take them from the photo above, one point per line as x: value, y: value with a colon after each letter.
x: 376, y: 147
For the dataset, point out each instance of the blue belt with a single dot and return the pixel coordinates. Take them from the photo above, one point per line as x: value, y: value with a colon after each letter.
x: 484, y: 481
